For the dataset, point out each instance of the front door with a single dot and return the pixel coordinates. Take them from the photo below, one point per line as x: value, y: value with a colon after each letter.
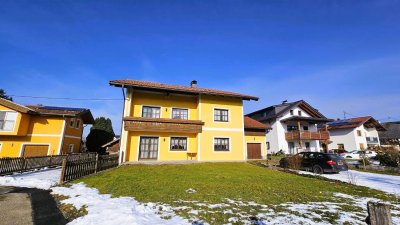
x: 362, y: 146
x: 291, y: 148
x: 148, y: 148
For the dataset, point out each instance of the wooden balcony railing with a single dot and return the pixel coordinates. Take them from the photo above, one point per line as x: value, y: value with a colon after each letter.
x: 307, y: 135
x: 163, y: 125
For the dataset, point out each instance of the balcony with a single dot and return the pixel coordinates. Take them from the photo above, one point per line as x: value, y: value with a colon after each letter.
x: 163, y: 125
x: 307, y: 135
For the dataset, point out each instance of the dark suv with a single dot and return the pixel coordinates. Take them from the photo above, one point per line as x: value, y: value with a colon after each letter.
x: 318, y: 162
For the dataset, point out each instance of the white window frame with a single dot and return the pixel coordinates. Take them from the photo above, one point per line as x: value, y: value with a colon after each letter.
x: 230, y: 145
x: 72, y: 122
x: 69, y: 148
x: 1, y: 146
x: 15, y: 122
x: 188, y: 112
x: 229, y: 115
x: 187, y: 144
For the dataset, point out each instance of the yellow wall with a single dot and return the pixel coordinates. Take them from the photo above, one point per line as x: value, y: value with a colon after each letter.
x: 33, y: 129
x: 164, y: 145
x: 21, y: 124
x: 203, y: 110
x: 258, y: 139
x: 165, y: 102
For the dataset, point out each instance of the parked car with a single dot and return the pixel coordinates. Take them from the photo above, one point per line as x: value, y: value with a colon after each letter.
x: 355, y: 154
x: 340, y: 152
x: 318, y: 162
x: 370, y: 153
x: 358, y: 154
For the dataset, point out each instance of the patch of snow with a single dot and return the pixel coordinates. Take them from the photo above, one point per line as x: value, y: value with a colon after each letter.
x: 382, y: 182
x: 42, y: 179
x: 103, y: 209
x: 191, y: 191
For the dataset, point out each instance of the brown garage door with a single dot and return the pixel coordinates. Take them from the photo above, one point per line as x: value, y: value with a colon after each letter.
x: 253, y: 151
x: 35, y: 150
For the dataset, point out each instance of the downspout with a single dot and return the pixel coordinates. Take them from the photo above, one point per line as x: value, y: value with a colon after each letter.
x: 122, y: 126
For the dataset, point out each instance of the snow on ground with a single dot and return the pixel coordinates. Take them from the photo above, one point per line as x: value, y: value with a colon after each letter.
x: 382, y: 182
x: 102, y: 209
x: 42, y: 179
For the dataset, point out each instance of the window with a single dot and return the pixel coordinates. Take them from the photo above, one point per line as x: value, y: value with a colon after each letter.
x: 375, y: 139
x: 71, y: 148
x: 151, y: 112
x: 299, y: 113
x: 221, y: 115
x: 291, y: 112
x: 292, y: 128
x: 368, y: 139
x: 268, y: 146
x: 340, y: 146
x: 178, y: 143
x: 221, y: 144
x: 305, y: 127
x: 7, y: 120
x: 72, y: 122
x: 181, y: 114
x: 78, y: 123
x: 359, y: 133
x: 307, y: 144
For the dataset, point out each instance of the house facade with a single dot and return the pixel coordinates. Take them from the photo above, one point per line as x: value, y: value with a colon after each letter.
x: 355, y: 133
x: 294, y: 127
x: 169, y: 122
x: 38, y: 130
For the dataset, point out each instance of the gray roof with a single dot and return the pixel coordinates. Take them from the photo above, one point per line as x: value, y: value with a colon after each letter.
x: 275, y: 111
x: 392, y: 130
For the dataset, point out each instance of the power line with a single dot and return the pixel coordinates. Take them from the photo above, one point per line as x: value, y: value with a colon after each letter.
x: 65, y: 98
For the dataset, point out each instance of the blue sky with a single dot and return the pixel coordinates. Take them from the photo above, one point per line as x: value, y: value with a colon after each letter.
x: 337, y: 55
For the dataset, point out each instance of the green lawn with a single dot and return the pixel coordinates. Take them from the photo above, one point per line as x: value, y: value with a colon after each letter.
x: 217, y: 183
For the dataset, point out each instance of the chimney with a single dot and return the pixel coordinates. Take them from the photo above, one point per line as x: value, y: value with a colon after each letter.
x: 284, y: 101
x: 193, y: 84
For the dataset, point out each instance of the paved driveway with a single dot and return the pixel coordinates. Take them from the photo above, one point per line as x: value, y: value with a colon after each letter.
x: 28, y: 206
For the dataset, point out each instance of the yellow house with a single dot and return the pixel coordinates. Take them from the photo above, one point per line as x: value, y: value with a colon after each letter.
x: 170, y: 122
x: 38, y: 130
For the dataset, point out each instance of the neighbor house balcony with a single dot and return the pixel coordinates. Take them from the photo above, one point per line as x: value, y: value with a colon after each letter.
x: 306, y: 135
x: 163, y: 125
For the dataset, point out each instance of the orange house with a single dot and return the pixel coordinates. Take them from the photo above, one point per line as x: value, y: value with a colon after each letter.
x: 38, y: 130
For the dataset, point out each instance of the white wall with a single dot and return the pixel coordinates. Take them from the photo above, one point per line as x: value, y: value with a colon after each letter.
x: 343, y: 136
x: 276, y: 137
x: 350, y: 139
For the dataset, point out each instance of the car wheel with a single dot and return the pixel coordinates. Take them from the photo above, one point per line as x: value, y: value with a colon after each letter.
x: 317, y: 169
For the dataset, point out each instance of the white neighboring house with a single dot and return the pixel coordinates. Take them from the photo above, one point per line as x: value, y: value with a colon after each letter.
x: 294, y: 127
x: 355, y: 133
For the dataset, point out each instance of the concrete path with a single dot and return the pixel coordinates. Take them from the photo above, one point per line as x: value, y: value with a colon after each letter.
x: 28, y: 206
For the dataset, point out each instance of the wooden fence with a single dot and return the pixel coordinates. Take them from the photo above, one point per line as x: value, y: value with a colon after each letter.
x: 23, y: 164
x: 72, y: 170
